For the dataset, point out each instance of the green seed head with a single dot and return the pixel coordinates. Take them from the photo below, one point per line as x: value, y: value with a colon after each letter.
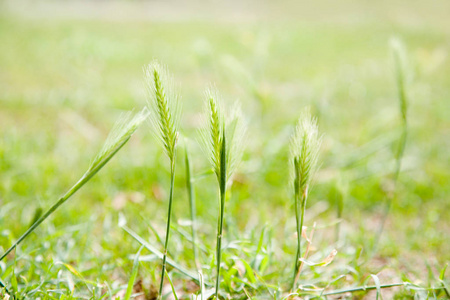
x: 305, y: 147
x: 122, y: 131
x: 217, y: 128
x: 164, y: 106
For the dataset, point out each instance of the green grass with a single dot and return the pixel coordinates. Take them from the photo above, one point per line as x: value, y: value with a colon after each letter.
x: 63, y: 83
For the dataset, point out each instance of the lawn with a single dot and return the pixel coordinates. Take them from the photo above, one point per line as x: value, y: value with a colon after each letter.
x: 65, y: 81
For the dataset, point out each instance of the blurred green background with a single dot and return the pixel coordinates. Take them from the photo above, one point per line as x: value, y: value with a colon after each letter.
x: 68, y: 70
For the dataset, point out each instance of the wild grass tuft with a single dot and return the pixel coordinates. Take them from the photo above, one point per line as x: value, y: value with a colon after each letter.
x: 305, y: 147
x: 222, y: 139
x: 165, y: 116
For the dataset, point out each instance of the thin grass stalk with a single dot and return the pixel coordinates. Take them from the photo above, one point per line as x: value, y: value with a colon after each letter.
x: 118, y: 137
x: 399, y: 57
x: 362, y: 288
x: 299, y: 236
x: 165, y: 116
x: 403, y: 106
x: 306, y: 251
x: 174, y: 293
x: 3, y: 285
x: 191, y: 195
x: 340, y: 209
x: 298, y: 219
x: 169, y: 214
x: 83, y: 180
x: 222, y: 187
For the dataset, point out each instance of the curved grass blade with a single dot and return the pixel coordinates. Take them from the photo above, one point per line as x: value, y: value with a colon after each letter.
x: 155, y: 251
x: 377, y: 284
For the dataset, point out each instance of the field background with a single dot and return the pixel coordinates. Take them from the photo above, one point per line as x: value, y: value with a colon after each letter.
x: 69, y: 69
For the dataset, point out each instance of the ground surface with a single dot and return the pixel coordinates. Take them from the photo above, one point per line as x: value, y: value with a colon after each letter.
x: 67, y: 72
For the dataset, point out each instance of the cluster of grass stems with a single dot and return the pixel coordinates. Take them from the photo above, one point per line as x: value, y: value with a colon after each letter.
x: 221, y: 136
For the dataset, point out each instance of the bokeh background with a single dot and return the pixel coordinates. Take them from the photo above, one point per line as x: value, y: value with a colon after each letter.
x: 68, y: 69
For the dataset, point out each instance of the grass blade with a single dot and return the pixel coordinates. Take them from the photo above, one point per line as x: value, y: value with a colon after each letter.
x: 362, y: 288
x: 171, y: 285
x: 155, y: 251
x: 191, y: 195
x: 377, y: 284
x: 134, y: 273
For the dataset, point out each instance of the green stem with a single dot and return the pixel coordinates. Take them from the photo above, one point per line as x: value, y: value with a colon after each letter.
x: 191, y: 196
x: 390, y: 200
x: 299, y: 236
x: 169, y: 214
x: 222, y: 184
x: 298, y: 253
x: 3, y: 285
x: 85, y: 178
x: 361, y: 288
x: 299, y: 223
x: 403, y: 100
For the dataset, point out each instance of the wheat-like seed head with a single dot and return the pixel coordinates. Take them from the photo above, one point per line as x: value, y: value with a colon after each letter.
x: 164, y: 106
x: 305, y: 147
x: 212, y: 133
x: 121, y: 132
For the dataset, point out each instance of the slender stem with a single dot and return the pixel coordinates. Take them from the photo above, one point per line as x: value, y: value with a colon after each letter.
x: 308, y: 246
x: 85, y: 178
x: 298, y: 254
x: 403, y: 101
x: 299, y: 238
x: 297, y: 217
x: 169, y: 214
x: 3, y: 285
x: 361, y: 288
x: 391, y: 197
x: 222, y: 186
x: 191, y: 196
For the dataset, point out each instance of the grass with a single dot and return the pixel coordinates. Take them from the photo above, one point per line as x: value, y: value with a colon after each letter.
x: 305, y: 148
x: 165, y: 122
x: 222, y: 138
x: 64, y: 83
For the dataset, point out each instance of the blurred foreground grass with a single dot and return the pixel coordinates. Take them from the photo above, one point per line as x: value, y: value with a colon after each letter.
x: 63, y: 83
